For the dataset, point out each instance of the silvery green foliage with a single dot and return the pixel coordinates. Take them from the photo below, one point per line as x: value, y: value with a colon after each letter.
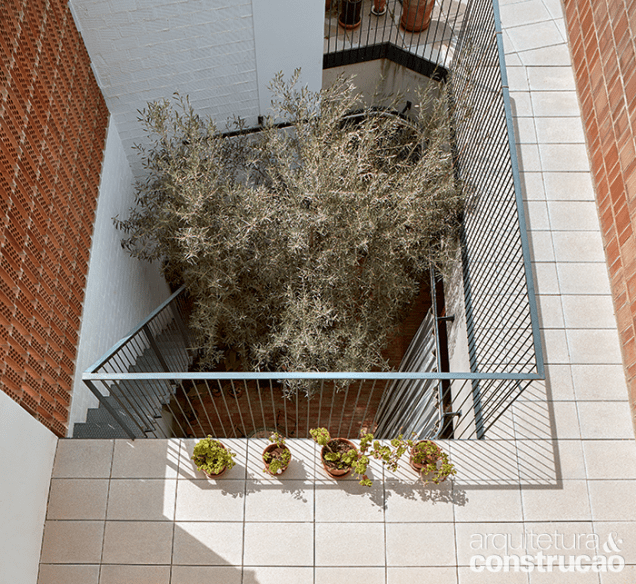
x: 302, y: 247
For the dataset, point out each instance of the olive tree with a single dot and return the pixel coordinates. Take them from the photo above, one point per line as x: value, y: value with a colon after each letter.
x: 302, y: 244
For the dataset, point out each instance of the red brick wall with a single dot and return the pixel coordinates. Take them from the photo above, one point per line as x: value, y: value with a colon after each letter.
x: 53, y: 122
x: 603, y: 43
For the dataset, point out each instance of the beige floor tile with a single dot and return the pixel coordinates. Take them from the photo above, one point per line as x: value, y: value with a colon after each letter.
x: 415, y: 575
x: 525, y: 132
x: 419, y: 503
x: 141, y: 499
x: 481, y: 462
x: 556, y: 55
x: 623, y: 533
x: 420, y: 544
x: 204, y: 500
x: 541, y: 246
x: 529, y: 159
x: 353, y: 501
x: 536, y: 420
x: 566, y: 501
x: 137, y: 542
x: 606, y: 420
x: 568, y: 186
x: 291, y: 500
x: 556, y: 576
x: 77, y: 499
x: 147, y: 459
x: 573, y: 216
x: 537, y: 215
x: 550, y: 312
x: 532, y: 36
x: 544, y: 462
x: 521, y: 106
x: 187, y: 469
x: 523, y: 13
x: 559, y: 383
x: 278, y: 575
x: 208, y: 575
x: 279, y: 544
x: 300, y: 468
x: 627, y: 574
x: 594, y: 346
x: 555, y: 347
x: 468, y: 576
x: 72, y: 542
x: 532, y: 186
x: 135, y: 574
x: 612, y: 500
x: 610, y: 459
x: 490, y: 504
x: 556, y: 104
x: 599, y: 382
x: 545, y: 278
x: 208, y: 544
x: 349, y: 575
x: 589, y: 312
x: 583, y: 278
x: 339, y: 544
x: 564, y: 157
x: 68, y: 574
x: 487, y: 539
x: 578, y: 246
x: 551, y: 78
x: 517, y: 78
x: 83, y: 459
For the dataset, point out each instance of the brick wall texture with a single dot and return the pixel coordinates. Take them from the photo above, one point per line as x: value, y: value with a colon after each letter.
x: 53, y: 122
x: 602, y: 37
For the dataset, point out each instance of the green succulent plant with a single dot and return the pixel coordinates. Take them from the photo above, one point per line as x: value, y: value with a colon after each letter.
x: 211, y: 457
x: 277, y: 464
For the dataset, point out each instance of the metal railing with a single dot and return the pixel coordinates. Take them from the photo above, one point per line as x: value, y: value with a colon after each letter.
x: 159, y: 343
x: 501, y: 319
x: 428, y: 52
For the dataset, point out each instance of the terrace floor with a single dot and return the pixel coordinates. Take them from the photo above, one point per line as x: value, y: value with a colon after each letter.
x: 560, y: 467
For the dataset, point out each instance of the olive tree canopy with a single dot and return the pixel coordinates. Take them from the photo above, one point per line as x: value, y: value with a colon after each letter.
x: 301, y: 247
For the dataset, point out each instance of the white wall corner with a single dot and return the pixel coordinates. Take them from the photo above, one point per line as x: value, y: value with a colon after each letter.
x: 27, y: 452
x: 288, y: 34
x: 120, y: 290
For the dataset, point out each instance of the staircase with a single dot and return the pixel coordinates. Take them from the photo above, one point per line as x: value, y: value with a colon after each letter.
x: 149, y: 397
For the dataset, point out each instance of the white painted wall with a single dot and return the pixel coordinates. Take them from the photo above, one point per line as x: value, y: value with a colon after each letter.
x: 120, y: 290
x: 289, y: 34
x: 27, y: 451
x: 145, y: 50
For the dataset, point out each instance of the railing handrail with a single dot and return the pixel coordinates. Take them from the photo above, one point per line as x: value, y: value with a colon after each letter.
x: 134, y: 332
x: 254, y: 375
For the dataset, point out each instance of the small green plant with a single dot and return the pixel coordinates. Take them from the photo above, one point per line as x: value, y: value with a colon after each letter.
x: 211, y: 457
x: 434, y: 463
x: 277, y: 462
x: 359, y: 460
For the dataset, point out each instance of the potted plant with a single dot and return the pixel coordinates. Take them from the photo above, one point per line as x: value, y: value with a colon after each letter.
x: 428, y: 459
x: 378, y: 8
x: 416, y: 14
x: 350, y: 14
x: 276, y: 456
x: 340, y: 456
x: 212, y: 458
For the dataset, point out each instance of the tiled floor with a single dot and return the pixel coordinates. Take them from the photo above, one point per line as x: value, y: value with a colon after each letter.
x: 561, y: 465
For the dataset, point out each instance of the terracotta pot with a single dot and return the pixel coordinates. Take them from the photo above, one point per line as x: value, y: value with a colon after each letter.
x: 336, y: 473
x: 379, y: 7
x: 216, y: 476
x: 416, y: 14
x: 350, y: 14
x: 327, y: 5
x: 416, y: 466
x: 269, y: 450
